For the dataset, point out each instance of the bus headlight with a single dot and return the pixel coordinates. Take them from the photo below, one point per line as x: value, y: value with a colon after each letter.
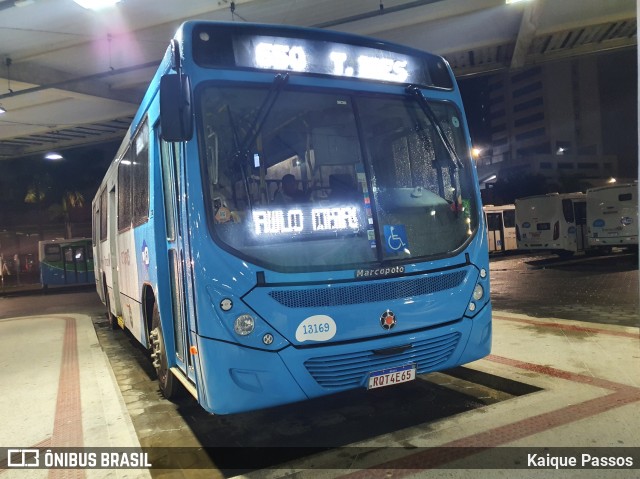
x: 244, y: 324
x: 478, y: 292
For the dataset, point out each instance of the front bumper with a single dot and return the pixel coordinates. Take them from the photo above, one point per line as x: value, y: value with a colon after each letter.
x: 236, y: 379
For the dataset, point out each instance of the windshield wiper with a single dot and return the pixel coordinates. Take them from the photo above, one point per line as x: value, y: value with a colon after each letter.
x: 416, y: 93
x: 263, y: 112
x: 241, y: 155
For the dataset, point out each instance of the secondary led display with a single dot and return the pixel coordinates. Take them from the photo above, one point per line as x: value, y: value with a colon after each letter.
x: 309, y: 221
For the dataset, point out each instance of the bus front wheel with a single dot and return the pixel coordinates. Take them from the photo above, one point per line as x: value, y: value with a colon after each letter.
x: 168, y: 383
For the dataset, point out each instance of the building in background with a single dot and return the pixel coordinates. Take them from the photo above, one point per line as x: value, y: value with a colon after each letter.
x: 555, y: 120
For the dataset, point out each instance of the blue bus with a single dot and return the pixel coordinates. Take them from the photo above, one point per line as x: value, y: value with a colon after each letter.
x: 66, y: 262
x: 294, y: 212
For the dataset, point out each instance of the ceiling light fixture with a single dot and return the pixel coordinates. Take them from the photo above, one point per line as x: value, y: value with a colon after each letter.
x: 96, y: 4
x: 53, y: 156
x: 2, y: 110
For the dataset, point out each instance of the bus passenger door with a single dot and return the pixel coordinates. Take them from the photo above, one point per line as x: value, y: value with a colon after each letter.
x: 75, y: 264
x: 114, y: 300
x: 496, y: 236
x: 80, y: 260
x: 580, y: 212
x: 171, y: 161
x: 509, y: 229
x: 97, y: 246
x: 69, y: 265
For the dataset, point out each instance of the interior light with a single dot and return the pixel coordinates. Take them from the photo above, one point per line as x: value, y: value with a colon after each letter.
x: 2, y: 110
x: 53, y: 156
x: 96, y: 4
x: 611, y: 180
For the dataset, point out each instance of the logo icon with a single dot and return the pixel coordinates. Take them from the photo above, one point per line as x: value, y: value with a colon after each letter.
x: 388, y: 320
x: 23, y: 457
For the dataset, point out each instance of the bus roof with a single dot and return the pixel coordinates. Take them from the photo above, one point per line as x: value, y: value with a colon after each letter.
x: 498, y: 207
x: 574, y: 195
x: 614, y: 186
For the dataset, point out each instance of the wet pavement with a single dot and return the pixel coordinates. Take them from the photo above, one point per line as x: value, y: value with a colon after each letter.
x: 289, y: 431
x: 530, y: 391
x: 594, y: 289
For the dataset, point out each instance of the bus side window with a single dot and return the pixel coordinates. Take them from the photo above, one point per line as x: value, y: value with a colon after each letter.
x: 509, y: 218
x: 625, y: 197
x: 567, y: 211
x: 52, y: 252
x: 494, y: 222
x: 79, y: 254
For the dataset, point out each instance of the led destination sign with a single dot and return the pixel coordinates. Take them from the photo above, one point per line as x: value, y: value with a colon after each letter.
x: 305, y: 221
x: 315, y: 52
x: 361, y: 62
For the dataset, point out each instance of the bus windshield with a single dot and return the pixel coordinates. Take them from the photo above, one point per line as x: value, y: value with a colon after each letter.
x: 299, y: 180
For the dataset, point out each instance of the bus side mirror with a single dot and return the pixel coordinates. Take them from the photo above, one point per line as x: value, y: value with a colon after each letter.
x: 176, y: 114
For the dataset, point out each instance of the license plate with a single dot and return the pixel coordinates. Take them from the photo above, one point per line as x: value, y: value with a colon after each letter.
x: 391, y: 376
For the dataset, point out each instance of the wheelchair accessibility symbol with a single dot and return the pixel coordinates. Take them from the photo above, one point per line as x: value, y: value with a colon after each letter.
x: 395, y: 238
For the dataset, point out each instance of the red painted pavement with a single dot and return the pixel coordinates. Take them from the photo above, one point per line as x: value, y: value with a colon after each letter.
x: 621, y: 395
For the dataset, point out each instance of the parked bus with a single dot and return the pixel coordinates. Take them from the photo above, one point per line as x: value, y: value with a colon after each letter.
x: 501, y: 227
x: 66, y: 262
x: 612, y: 214
x: 294, y: 212
x: 554, y: 221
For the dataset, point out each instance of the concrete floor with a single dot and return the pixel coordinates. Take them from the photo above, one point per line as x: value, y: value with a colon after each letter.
x: 587, y: 393
x: 552, y: 387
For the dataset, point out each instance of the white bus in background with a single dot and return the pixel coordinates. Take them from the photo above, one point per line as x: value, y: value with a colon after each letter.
x: 501, y: 226
x: 553, y: 222
x: 612, y: 216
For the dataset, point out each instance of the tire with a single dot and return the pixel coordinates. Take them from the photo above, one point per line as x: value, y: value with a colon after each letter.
x: 169, y: 385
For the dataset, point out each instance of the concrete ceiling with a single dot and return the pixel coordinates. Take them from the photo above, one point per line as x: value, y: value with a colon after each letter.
x: 70, y: 76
